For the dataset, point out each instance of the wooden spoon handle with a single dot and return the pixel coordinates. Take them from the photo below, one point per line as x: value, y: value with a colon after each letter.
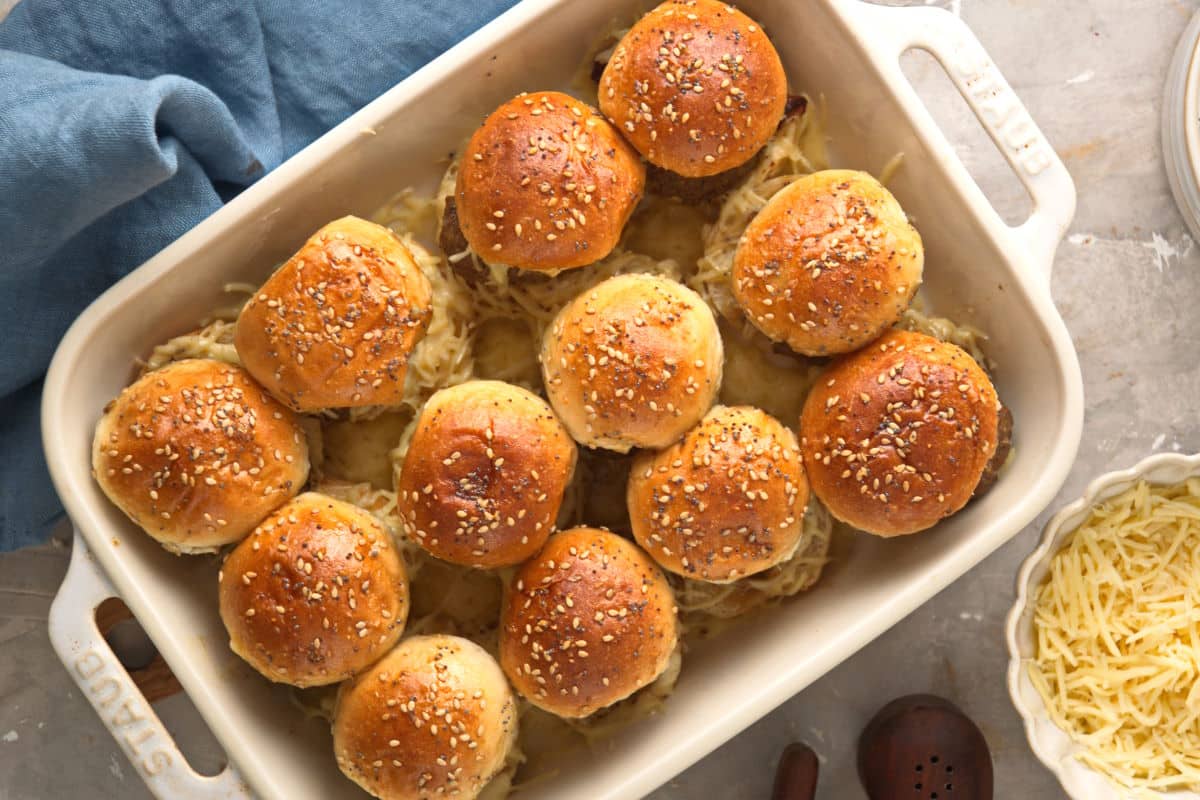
x: 796, y: 778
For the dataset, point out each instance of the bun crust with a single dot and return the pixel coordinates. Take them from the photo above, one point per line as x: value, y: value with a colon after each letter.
x: 633, y: 362
x: 485, y: 474
x: 696, y: 86
x: 315, y: 594
x: 435, y: 718
x: 724, y: 502
x: 334, y: 326
x: 197, y: 454
x: 828, y: 264
x: 585, y: 623
x: 546, y: 183
x: 896, y: 436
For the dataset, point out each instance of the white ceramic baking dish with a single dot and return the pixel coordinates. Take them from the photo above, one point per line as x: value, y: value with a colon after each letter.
x: 1050, y: 743
x: 979, y: 269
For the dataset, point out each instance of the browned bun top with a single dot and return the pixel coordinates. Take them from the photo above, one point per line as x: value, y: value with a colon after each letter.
x: 315, y: 594
x: 724, y: 502
x: 896, y: 436
x: 485, y: 474
x: 585, y: 623
x: 197, y: 453
x: 632, y: 362
x: 546, y: 183
x: 334, y: 326
x: 828, y: 264
x: 435, y: 718
x: 696, y: 86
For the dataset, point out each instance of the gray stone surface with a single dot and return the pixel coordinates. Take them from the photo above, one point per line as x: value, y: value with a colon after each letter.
x: 1126, y: 281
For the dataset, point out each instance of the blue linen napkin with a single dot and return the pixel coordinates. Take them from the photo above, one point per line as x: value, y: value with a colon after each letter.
x: 123, y: 123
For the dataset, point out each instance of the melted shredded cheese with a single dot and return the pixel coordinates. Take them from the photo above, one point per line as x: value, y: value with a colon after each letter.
x: 1117, y: 624
x: 444, y: 356
x: 214, y: 340
x: 968, y: 337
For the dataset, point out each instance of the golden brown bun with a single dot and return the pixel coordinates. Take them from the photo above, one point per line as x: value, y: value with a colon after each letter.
x: 585, y: 623
x: 896, y: 436
x: 435, y: 718
x: 696, y: 86
x: 724, y: 502
x: 485, y: 474
x: 632, y: 362
x: 828, y: 264
x: 315, y: 594
x: 546, y: 183
x: 197, y: 454
x: 334, y: 326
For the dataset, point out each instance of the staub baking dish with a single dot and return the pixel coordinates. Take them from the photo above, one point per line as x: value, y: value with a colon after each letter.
x: 979, y: 269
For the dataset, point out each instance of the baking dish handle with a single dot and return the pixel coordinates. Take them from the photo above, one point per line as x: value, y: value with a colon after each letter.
x: 948, y: 39
x: 105, y: 682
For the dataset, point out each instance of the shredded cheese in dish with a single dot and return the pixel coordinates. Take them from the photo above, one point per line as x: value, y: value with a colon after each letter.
x: 1117, y: 623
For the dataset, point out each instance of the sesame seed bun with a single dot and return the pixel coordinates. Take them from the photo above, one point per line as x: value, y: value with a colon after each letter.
x: 896, y: 436
x: 435, y: 718
x: 197, y: 454
x: 724, y: 502
x: 632, y: 362
x: 334, y: 326
x: 546, y: 183
x: 828, y: 264
x: 484, y: 475
x: 315, y: 593
x: 696, y: 86
x: 585, y: 623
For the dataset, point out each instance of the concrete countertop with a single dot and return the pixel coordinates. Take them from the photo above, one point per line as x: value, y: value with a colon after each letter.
x: 1127, y: 281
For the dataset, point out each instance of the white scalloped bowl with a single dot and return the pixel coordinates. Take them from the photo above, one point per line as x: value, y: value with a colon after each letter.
x: 1051, y: 744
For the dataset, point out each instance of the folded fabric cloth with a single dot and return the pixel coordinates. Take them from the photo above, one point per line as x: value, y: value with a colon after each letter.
x: 126, y: 122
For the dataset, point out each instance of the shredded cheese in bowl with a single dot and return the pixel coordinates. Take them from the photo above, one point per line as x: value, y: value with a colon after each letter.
x: 1117, y: 629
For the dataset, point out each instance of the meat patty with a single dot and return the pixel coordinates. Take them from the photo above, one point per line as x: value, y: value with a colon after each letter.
x: 452, y: 241
x: 450, y: 235
x: 991, y: 472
